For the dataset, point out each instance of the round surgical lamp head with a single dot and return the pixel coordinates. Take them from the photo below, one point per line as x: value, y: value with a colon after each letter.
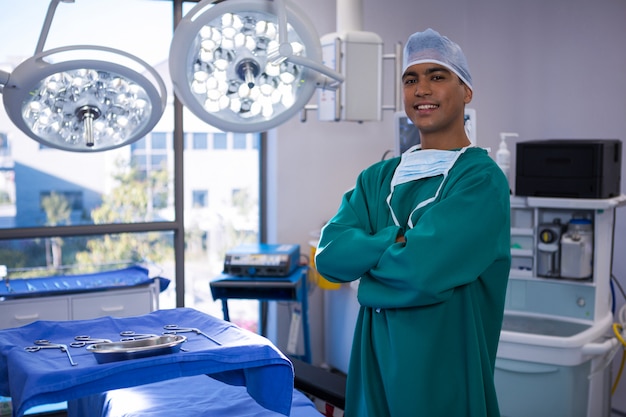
x: 230, y: 68
x: 84, y: 105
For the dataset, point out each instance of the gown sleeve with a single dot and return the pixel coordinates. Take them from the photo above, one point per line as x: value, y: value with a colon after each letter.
x: 349, y: 245
x: 453, y: 243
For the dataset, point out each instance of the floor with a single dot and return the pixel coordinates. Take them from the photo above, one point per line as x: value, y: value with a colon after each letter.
x: 614, y: 413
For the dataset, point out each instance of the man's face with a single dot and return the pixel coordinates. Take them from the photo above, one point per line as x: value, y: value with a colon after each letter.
x: 434, y: 97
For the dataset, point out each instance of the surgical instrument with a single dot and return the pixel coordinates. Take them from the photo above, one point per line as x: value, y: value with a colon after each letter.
x: 82, y: 341
x: 129, y: 335
x: 174, y: 329
x: 46, y: 344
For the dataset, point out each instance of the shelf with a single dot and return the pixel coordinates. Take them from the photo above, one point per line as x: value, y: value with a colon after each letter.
x: 529, y: 276
x: 576, y: 203
x: 522, y: 252
x: 522, y: 231
x: 520, y: 273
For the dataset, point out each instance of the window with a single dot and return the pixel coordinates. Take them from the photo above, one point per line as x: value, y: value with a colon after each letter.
x: 7, y: 183
x: 140, y: 161
x: 237, y: 194
x: 124, y: 197
x: 140, y: 144
x: 256, y: 143
x: 199, y: 198
x: 35, y: 257
x: 73, y: 199
x: 219, y: 141
x: 158, y: 140
x: 200, y: 140
x: 239, y: 141
x: 4, y: 144
x: 158, y: 161
x: 151, y: 154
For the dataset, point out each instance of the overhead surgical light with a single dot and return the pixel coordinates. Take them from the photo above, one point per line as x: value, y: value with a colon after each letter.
x: 83, y: 98
x: 247, y: 65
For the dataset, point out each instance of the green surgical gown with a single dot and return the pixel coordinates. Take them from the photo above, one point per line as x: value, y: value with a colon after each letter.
x: 431, y: 309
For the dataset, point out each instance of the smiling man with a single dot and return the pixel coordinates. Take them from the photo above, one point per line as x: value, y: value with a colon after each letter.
x: 428, y: 236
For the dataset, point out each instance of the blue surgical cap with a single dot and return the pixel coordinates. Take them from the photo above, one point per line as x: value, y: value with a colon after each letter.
x: 430, y: 46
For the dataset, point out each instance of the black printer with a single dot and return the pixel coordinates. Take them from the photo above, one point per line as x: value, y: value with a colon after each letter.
x: 569, y: 168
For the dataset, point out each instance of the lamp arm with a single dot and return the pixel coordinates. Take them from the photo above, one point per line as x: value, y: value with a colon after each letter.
x: 46, y: 24
x: 281, y: 15
x: 4, y: 79
x: 327, y: 83
x: 285, y: 50
x: 323, y: 69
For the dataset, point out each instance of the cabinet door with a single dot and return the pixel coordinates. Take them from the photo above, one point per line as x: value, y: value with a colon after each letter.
x: 122, y: 303
x: 16, y: 313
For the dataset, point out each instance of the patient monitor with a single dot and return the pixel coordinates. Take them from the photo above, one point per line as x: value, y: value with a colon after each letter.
x: 407, y: 135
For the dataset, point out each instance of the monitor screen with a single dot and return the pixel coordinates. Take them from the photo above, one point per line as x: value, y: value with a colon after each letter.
x: 407, y: 134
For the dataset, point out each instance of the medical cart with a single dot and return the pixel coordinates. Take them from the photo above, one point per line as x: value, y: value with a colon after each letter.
x: 556, y: 344
x: 281, y: 288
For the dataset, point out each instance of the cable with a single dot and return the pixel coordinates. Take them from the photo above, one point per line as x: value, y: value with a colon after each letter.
x: 619, y: 286
x: 612, y: 287
x: 616, y: 329
x: 386, y: 153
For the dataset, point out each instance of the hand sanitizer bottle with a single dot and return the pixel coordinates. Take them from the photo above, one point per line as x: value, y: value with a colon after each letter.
x: 503, y: 156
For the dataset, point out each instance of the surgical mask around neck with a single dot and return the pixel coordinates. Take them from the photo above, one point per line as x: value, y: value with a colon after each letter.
x: 425, y: 163
x: 416, y: 164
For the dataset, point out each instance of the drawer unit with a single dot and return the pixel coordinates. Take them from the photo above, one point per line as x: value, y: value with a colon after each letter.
x: 16, y: 313
x: 117, y: 303
x: 123, y: 302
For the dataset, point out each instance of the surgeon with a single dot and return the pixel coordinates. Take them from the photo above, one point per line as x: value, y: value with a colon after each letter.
x: 427, y: 235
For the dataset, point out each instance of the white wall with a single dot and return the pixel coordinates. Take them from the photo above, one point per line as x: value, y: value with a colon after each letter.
x: 544, y: 69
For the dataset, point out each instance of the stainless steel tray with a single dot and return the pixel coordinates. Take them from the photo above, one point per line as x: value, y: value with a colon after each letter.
x: 134, y: 349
